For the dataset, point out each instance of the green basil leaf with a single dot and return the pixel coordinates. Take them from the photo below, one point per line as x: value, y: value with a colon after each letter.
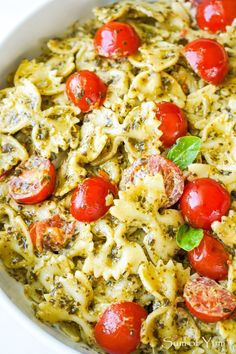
x: 185, y: 151
x: 188, y: 238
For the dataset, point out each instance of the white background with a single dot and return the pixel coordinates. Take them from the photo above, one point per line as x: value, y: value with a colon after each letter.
x: 15, y: 339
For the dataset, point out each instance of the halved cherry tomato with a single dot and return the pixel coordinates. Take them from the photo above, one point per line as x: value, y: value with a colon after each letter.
x: 207, y: 300
x: 34, y: 181
x: 210, y: 258
x: 204, y: 200
x: 86, y: 90
x: 173, y: 122
x: 116, y: 39
x: 172, y: 175
x: 91, y: 199
x: 52, y: 233
x: 208, y: 59
x: 215, y: 15
x: 118, y: 330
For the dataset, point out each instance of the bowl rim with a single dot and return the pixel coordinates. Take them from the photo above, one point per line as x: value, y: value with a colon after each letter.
x: 32, y: 327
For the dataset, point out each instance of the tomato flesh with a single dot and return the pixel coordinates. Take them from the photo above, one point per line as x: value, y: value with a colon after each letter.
x: 207, y: 300
x: 208, y: 59
x: 116, y: 39
x: 210, y: 258
x: 215, y: 15
x: 34, y: 182
x: 52, y: 233
x: 204, y: 201
x: 173, y: 122
x: 118, y: 330
x: 86, y: 90
x: 172, y: 175
x: 90, y: 200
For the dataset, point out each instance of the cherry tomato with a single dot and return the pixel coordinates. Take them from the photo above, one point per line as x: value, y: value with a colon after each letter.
x: 116, y: 39
x: 204, y: 201
x: 52, y: 233
x: 172, y: 175
x: 215, y: 15
x: 173, y: 122
x: 118, y: 330
x: 90, y: 200
x: 34, y: 181
x: 86, y: 90
x: 208, y: 59
x: 210, y: 258
x: 207, y: 300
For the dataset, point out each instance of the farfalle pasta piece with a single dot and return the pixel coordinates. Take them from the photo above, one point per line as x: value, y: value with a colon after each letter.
x: 164, y: 281
x: 18, y: 106
x: 138, y: 206
x: 16, y: 249
x: 118, y: 81
x: 64, y: 46
x: 56, y: 129
x: 225, y: 229
x: 140, y: 131
x: 86, y: 57
x: 116, y: 257
x: 46, y: 76
x: 199, y: 106
x: 12, y: 152
x: 219, y: 143
x: 143, y: 9
x: 156, y: 56
x: 70, y: 173
x: 167, y: 327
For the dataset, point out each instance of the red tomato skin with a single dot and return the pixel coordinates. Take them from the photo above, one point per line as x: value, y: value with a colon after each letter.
x: 116, y: 40
x: 86, y: 90
x: 208, y: 59
x: 196, y: 293
x: 88, y: 202
x: 39, y: 195
x: 118, y: 330
x: 173, y: 123
x: 60, y: 232
x: 210, y: 259
x: 215, y: 15
x: 204, y: 201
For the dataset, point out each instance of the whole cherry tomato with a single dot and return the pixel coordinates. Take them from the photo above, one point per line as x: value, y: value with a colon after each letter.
x: 207, y: 300
x: 210, y: 258
x: 203, y: 201
x: 215, y: 15
x: 173, y: 122
x: 34, y: 181
x: 118, y: 330
x: 116, y: 39
x: 208, y: 59
x: 52, y: 233
x: 172, y: 175
x: 90, y: 200
x: 86, y: 90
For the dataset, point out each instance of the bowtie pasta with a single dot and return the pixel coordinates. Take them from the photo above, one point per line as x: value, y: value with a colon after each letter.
x: 130, y: 252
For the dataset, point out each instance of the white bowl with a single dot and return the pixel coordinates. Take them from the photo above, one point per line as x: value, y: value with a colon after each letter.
x: 24, y: 42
